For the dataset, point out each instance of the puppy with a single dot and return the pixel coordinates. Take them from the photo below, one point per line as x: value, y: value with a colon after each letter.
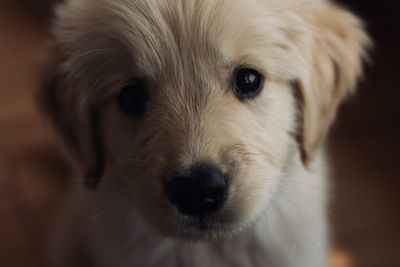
x: 198, y: 126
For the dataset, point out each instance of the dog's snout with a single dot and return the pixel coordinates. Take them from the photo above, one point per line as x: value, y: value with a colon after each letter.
x: 200, y: 191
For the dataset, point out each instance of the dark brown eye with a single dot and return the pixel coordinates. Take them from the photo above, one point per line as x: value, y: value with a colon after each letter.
x: 248, y: 83
x: 132, y: 100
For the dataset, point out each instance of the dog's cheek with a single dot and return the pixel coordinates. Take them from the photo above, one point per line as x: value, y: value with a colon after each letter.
x: 268, y: 140
x: 120, y: 135
x: 271, y: 124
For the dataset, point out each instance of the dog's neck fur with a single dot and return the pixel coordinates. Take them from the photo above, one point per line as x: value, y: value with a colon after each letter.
x: 294, y: 223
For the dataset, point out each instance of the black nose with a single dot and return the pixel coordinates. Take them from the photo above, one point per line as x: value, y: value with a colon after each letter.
x: 202, y: 190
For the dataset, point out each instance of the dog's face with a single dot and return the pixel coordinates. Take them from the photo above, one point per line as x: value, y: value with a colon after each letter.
x: 199, y: 107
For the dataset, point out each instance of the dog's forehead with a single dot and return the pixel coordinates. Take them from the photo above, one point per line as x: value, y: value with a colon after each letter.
x: 162, y: 40
x: 159, y: 32
x: 165, y: 35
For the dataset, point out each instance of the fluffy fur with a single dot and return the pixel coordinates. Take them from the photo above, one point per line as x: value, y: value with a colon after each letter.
x: 310, y: 53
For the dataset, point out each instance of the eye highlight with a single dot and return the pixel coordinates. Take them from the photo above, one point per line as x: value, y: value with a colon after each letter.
x: 132, y: 100
x: 247, y: 83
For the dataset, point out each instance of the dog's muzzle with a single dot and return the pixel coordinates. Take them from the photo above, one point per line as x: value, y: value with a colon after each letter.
x: 200, y: 191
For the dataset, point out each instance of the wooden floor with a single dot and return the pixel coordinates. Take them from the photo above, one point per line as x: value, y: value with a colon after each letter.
x: 364, y: 149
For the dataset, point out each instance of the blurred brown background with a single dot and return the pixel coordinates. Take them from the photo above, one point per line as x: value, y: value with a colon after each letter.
x: 364, y: 145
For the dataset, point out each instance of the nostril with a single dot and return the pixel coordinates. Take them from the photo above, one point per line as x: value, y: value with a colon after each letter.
x: 201, y: 191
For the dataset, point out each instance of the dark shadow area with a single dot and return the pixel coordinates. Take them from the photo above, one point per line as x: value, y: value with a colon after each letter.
x: 365, y: 145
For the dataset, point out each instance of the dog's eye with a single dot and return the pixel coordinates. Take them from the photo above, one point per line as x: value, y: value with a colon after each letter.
x: 248, y: 83
x: 132, y: 100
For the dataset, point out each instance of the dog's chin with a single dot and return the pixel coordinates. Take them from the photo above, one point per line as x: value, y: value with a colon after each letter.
x: 207, y: 228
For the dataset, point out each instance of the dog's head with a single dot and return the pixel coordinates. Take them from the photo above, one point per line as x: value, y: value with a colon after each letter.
x: 197, y: 107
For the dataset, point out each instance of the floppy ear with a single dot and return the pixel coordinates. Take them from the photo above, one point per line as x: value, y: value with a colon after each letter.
x: 335, y: 59
x: 78, y: 126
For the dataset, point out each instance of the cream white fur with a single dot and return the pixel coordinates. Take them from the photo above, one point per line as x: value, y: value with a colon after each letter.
x: 289, y: 233
x: 310, y: 53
